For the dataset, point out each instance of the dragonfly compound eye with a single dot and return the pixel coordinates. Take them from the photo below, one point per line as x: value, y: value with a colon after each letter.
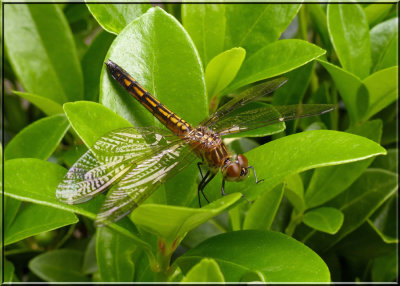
x: 242, y: 161
x: 233, y: 172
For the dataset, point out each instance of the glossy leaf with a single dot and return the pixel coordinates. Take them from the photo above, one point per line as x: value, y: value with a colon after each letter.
x: 92, y: 120
x: 205, y: 24
x: 324, y: 219
x: 40, y: 32
x: 260, y: 24
x: 349, y: 32
x: 93, y: 61
x: 351, y: 90
x: 25, y: 180
x: 11, y: 208
x: 114, y: 256
x: 207, y: 270
x: 388, y: 162
x: 319, y: 20
x: 8, y: 273
x: 357, y: 204
x: 62, y: 265
x: 377, y: 12
x: 48, y: 106
x: 303, y: 151
x: 275, y: 59
x: 382, y: 37
x: 328, y: 182
x: 294, y: 192
x: 171, y: 222
x: 262, y: 212
x: 222, y: 69
x: 115, y: 17
x: 267, y: 252
x: 89, y: 265
x: 383, y: 90
x: 34, y: 219
x: 39, y: 139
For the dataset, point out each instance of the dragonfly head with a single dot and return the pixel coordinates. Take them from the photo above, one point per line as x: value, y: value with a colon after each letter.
x: 236, y: 169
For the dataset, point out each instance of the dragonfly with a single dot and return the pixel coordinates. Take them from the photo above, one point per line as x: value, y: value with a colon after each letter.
x: 133, y: 162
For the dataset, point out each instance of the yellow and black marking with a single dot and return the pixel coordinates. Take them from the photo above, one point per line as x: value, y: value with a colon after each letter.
x: 173, y: 122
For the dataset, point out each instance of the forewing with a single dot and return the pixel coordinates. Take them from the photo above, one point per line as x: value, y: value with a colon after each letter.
x: 259, y: 117
x: 243, y: 98
x: 111, y: 157
x: 142, y: 181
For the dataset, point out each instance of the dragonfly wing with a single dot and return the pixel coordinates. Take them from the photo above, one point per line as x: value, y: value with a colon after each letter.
x: 243, y: 98
x: 142, y: 181
x: 111, y: 157
x: 259, y: 117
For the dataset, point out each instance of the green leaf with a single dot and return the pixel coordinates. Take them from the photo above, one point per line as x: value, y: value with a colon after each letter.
x: 171, y: 72
x: 359, y: 201
x: 262, y: 212
x: 207, y: 270
x: 351, y: 89
x: 328, y: 182
x: 383, y: 90
x: 41, y: 32
x: 294, y: 192
x: 89, y: 260
x: 39, y: 139
x: 114, y: 256
x: 115, y: 17
x: 382, y: 37
x: 222, y: 69
x: 205, y: 24
x: 33, y: 219
x: 319, y: 20
x: 171, y: 222
x: 48, y: 106
x: 253, y: 26
x: 349, y: 32
x: 8, y: 274
x: 299, y: 152
x: 377, y: 12
x: 93, y: 61
x: 385, y: 268
x: 267, y: 252
x: 388, y: 162
x: 324, y: 219
x: 157, y: 51
x: 275, y: 59
x: 11, y: 208
x: 62, y: 265
x: 92, y: 120
x: 35, y: 181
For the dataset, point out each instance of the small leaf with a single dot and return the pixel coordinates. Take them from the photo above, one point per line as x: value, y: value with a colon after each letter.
x: 324, y: 219
x: 114, y: 256
x: 222, y: 69
x: 207, y: 270
x: 349, y: 32
x: 383, y: 90
x: 92, y: 120
x: 205, y: 24
x: 115, y: 17
x: 267, y: 252
x: 382, y: 35
x: 48, y: 106
x: 253, y: 26
x: 41, y: 33
x: 62, y: 265
x: 262, y: 212
x: 171, y: 222
x: 34, y: 219
x: 39, y: 139
x: 358, y: 203
x: 275, y: 59
x: 93, y: 61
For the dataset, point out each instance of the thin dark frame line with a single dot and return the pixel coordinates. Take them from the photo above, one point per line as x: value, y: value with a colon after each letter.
x: 2, y: 143
x: 211, y: 2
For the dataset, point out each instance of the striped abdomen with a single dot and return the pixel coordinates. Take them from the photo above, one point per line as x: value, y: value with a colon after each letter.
x: 173, y: 122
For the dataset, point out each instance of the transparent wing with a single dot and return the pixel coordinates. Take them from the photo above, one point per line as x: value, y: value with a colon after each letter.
x: 111, y: 157
x: 259, y: 117
x: 243, y: 98
x: 142, y: 181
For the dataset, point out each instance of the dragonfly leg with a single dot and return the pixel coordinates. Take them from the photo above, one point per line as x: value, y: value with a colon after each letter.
x: 223, y: 188
x: 198, y: 166
x: 207, y: 178
x: 255, y: 175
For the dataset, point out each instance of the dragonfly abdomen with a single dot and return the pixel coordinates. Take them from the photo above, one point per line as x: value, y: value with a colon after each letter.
x: 173, y: 122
